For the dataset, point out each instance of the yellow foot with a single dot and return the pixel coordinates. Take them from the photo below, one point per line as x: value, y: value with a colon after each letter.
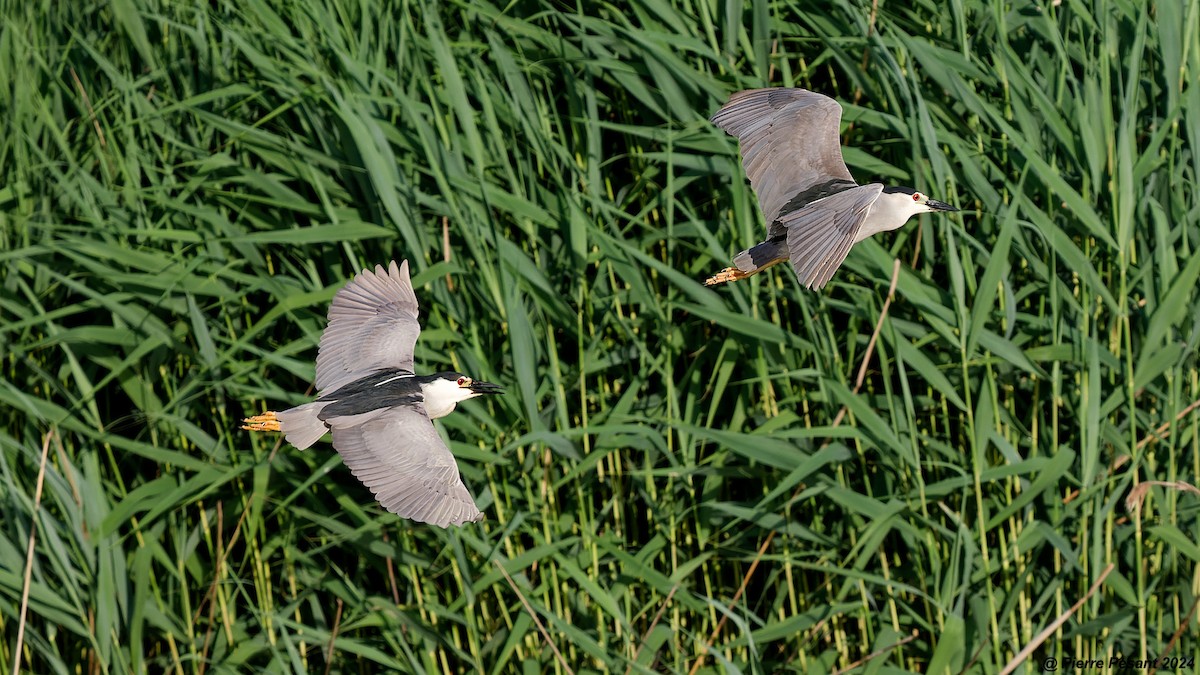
x: 727, y: 274
x: 263, y: 422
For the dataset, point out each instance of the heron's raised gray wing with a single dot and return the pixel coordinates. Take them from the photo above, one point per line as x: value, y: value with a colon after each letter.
x: 790, y: 142
x: 399, y: 456
x: 372, y: 325
x: 820, y: 235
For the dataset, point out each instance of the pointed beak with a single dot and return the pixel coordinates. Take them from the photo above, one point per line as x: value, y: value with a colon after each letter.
x: 485, y: 388
x: 939, y: 206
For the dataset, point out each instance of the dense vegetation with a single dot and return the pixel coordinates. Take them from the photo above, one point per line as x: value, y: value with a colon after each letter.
x: 740, y: 478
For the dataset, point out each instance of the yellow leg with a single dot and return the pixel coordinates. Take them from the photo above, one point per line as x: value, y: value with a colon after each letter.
x: 263, y: 422
x: 727, y: 274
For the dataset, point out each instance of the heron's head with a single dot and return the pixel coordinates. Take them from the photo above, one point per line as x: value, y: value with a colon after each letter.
x: 459, y: 387
x: 472, y: 387
x: 443, y: 391
x: 902, y: 203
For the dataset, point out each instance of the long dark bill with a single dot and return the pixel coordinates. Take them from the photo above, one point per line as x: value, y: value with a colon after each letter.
x: 486, y: 388
x: 939, y: 206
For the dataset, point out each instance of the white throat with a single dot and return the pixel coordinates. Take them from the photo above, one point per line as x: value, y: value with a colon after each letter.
x: 890, y: 211
x: 442, y: 395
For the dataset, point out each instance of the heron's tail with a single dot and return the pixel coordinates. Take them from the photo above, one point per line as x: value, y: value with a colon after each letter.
x: 300, y: 425
x: 752, y: 261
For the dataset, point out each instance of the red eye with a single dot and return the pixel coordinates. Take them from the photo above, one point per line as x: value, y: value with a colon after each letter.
x: 461, y: 380
x: 916, y: 196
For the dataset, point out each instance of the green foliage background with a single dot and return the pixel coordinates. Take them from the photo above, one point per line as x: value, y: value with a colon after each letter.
x: 183, y: 188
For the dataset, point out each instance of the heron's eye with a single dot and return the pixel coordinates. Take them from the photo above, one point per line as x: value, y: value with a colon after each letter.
x: 462, y: 381
x: 916, y: 196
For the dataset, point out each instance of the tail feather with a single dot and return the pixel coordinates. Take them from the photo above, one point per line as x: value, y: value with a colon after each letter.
x: 301, y: 426
x: 752, y: 261
x: 761, y: 256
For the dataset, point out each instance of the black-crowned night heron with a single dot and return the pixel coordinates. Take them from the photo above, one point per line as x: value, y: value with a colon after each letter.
x: 814, y: 210
x: 379, y: 411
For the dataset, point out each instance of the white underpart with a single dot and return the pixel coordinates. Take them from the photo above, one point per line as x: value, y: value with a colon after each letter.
x: 889, y: 212
x: 442, y: 395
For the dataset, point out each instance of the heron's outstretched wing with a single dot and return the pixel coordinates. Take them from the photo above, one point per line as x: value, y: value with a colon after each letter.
x: 790, y: 143
x: 820, y: 235
x: 372, y: 325
x: 399, y: 456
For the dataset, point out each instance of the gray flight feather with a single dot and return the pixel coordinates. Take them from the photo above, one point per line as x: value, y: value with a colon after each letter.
x: 820, y: 235
x: 372, y: 326
x: 399, y: 456
x: 790, y: 142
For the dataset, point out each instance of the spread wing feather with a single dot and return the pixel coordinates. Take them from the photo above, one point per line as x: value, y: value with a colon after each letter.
x: 819, y: 236
x: 372, y: 325
x: 790, y: 142
x: 399, y: 456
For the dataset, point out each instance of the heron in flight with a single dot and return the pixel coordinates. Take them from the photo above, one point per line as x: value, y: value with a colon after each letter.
x: 791, y: 151
x: 379, y: 411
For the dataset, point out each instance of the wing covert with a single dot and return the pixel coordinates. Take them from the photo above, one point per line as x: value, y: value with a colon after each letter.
x: 372, y: 325
x: 790, y: 142
x: 399, y: 456
x: 820, y: 235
